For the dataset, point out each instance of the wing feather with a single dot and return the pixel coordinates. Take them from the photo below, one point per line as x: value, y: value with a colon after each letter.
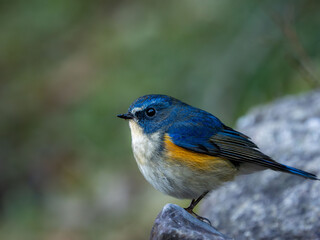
x: 238, y: 147
x: 228, y: 144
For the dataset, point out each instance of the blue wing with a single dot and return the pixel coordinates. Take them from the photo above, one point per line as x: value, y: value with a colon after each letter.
x: 194, y: 132
x: 204, y: 133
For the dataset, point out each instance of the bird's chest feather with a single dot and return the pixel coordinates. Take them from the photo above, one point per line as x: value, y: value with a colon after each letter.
x: 145, y: 147
x: 146, y: 150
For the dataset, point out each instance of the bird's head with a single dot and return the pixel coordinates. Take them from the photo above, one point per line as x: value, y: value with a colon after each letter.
x: 154, y: 112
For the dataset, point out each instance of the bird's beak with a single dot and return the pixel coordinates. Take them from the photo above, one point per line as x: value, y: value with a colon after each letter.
x: 125, y: 116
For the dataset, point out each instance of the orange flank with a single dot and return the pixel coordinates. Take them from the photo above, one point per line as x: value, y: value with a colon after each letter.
x: 194, y: 160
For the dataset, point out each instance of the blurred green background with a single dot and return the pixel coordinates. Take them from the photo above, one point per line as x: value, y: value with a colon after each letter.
x: 68, y: 67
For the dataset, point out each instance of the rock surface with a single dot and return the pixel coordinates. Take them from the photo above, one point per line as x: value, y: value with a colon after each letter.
x: 173, y: 222
x: 268, y: 204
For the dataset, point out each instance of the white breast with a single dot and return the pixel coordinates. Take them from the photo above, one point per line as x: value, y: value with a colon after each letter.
x: 146, y: 152
x: 144, y: 146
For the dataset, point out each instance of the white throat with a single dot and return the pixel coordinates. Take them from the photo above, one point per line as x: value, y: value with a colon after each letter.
x: 144, y: 146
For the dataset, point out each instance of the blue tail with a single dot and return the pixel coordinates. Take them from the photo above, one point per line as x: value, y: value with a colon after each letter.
x: 300, y: 173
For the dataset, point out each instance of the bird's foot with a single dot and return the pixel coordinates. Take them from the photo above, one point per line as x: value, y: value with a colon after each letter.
x: 206, y: 220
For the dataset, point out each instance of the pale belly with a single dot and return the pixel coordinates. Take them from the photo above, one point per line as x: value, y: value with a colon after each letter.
x: 173, y: 177
x: 179, y: 181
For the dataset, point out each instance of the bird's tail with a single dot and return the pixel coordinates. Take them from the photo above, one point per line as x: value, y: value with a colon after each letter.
x: 299, y: 172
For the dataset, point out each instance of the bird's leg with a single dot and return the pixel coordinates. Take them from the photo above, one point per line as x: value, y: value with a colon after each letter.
x: 192, y: 205
x: 194, y: 202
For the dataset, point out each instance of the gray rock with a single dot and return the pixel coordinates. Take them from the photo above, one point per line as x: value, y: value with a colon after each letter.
x: 268, y: 204
x: 173, y: 222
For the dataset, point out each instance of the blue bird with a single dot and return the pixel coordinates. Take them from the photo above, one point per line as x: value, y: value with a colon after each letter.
x: 186, y: 152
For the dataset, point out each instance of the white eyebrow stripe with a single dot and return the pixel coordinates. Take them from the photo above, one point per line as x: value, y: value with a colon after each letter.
x: 137, y: 109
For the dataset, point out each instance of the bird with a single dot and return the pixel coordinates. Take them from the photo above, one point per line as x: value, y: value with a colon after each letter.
x: 186, y: 152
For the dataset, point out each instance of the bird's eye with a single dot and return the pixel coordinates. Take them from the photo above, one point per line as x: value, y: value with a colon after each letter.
x: 150, y: 112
